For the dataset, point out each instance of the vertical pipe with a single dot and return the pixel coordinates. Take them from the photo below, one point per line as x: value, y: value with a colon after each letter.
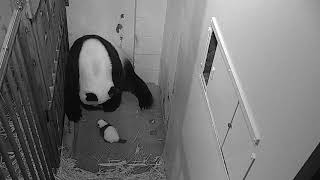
x: 134, y: 33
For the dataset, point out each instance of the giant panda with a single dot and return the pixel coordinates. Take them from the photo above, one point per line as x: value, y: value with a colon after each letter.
x: 96, y: 74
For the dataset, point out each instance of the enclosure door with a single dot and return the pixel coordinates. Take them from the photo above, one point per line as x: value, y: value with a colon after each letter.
x: 233, y: 122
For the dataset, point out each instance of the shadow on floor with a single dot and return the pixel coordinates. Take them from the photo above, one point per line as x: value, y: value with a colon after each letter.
x: 144, y: 130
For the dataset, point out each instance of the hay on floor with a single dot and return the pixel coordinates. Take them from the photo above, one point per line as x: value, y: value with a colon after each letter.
x: 117, y: 170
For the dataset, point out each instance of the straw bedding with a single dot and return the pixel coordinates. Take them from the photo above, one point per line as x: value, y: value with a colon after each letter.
x: 115, y: 170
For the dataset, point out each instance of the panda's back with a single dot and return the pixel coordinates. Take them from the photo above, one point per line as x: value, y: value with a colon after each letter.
x: 95, y: 71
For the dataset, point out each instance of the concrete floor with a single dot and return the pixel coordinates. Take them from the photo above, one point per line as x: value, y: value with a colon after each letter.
x: 144, y: 130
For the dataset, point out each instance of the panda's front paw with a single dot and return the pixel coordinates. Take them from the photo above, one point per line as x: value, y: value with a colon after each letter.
x: 112, y: 104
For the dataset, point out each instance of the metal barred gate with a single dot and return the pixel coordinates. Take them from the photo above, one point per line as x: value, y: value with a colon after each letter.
x: 32, y: 61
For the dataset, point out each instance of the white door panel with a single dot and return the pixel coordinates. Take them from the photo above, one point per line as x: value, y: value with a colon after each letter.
x: 238, y: 147
x: 221, y: 94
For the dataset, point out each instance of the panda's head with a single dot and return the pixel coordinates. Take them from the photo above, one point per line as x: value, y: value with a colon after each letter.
x: 95, y: 74
x: 101, y: 123
x: 98, y: 95
x: 91, y: 98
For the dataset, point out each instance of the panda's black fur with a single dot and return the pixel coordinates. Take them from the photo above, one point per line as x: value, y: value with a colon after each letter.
x: 123, y: 77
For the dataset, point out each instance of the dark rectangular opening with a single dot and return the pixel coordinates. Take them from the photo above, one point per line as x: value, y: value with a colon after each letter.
x: 210, y: 56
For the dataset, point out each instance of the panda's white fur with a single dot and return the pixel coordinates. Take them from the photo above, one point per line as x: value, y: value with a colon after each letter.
x: 110, y: 133
x: 94, y: 72
x: 94, y: 60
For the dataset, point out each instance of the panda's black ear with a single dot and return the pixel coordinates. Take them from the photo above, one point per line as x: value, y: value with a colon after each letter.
x: 113, y: 91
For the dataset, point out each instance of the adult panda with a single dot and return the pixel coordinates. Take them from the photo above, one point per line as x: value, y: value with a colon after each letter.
x: 96, y: 74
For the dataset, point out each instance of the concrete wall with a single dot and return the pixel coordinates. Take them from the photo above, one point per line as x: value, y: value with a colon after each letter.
x: 169, y: 54
x: 150, y: 19
x: 274, y: 46
x: 191, y: 147
x: 101, y: 17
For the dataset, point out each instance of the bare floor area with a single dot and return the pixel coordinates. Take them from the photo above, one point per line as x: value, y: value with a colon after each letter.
x: 144, y: 131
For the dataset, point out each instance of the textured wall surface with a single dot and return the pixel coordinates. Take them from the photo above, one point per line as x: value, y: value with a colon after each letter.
x: 150, y: 19
x: 102, y: 17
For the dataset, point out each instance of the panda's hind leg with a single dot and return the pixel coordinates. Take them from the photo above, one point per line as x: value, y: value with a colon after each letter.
x: 137, y: 86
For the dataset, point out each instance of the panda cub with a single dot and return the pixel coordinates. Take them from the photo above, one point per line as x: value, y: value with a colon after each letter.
x: 109, y: 133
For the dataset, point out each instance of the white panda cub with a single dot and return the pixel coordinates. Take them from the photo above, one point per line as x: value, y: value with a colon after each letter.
x: 109, y: 133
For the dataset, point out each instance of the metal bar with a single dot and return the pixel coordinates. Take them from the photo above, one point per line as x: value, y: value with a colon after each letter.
x: 22, y: 114
x: 62, y: 61
x: 134, y: 34
x: 10, y: 109
x: 53, y: 150
x: 54, y: 122
x: 54, y: 107
x: 23, y: 84
x: 29, y: 46
x: 26, y: 117
x: 51, y: 157
x: 60, y: 117
x: 48, y: 147
x: 56, y: 113
x: 229, y: 125
x: 253, y: 159
x: 6, y: 126
x: 23, y: 145
x: 53, y: 143
x: 34, y: 32
x: 7, y: 161
x: 59, y: 89
x: 26, y: 92
x: 8, y: 42
x: 2, y: 174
